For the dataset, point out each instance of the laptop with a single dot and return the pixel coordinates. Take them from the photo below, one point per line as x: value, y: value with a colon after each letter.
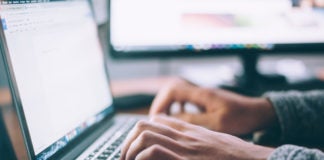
x: 59, y: 80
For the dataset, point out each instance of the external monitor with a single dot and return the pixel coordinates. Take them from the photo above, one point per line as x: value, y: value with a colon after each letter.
x: 157, y: 28
x: 186, y: 28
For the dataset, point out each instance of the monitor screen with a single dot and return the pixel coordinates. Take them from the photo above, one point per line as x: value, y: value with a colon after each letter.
x: 59, y: 69
x: 149, y: 26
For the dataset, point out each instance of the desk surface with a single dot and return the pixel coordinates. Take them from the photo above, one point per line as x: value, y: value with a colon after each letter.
x: 11, y: 121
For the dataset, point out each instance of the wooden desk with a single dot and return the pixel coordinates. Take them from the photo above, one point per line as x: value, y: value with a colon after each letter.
x: 119, y: 88
x: 12, y: 123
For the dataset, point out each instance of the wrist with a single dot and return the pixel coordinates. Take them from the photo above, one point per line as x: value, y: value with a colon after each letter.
x: 265, y: 113
x: 261, y: 152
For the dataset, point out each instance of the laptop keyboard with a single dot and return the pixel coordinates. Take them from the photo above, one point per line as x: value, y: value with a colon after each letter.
x: 110, y: 148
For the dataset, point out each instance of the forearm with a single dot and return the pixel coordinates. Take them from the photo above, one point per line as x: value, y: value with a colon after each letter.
x: 290, y: 152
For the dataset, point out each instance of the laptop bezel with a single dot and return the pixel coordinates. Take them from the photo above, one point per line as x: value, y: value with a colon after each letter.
x: 17, y: 103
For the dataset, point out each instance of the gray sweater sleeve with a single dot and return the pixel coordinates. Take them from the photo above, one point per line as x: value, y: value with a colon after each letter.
x: 290, y: 152
x: 301, y: 117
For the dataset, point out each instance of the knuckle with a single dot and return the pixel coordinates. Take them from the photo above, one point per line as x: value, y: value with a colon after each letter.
x: 155, y: 149
x: 155, y: 119
x: 174, y: 83
x: 141, y: 125
x: 208, y: 93
x: 166, y: 92
x: 186, y: 126
x: 169, y: 89
x: 145, y: 136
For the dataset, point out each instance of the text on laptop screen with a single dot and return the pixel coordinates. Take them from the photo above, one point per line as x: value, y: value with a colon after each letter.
x: 59, y: 69
x: 186, y: 25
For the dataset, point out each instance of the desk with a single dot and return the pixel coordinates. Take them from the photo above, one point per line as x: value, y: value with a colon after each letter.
x: 119, y: 88
x: 11, y: 121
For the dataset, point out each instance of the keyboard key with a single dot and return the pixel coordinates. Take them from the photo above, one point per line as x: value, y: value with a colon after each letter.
x: 107, y: 152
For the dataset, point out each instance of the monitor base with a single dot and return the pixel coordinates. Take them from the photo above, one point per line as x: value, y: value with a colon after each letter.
x: 254, y: 83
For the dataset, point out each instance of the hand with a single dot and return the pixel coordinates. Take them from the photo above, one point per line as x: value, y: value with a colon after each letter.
x: 221, y: 110
x: 167, y: 138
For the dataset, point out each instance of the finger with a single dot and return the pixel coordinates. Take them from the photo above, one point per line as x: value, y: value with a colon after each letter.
x: 147, y: 139
x: 171, y: 122
x: 162, y: 102
x: 178, y: 123
x: 202, y: 119
x: 184, y: 93
x: 183, y: 126
x: 149, y: 126
x: 157, y: 152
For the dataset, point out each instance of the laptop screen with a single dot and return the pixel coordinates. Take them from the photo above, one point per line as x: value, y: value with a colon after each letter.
x: 58, y: 65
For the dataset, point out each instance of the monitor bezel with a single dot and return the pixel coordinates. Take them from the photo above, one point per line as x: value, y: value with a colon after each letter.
x: 284, y: 48
x: 17, y: 103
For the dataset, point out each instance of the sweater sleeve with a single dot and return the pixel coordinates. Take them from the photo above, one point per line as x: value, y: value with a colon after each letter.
x: 290, y: 152
x: 300, y: 115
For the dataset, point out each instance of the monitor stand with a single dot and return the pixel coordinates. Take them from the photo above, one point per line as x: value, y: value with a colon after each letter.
x: 253, y: 83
